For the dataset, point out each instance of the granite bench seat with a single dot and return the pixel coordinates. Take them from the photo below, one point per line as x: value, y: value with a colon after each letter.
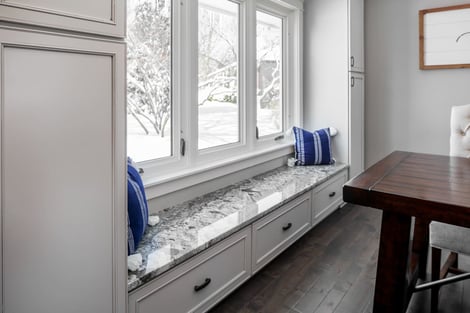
x: 193, y: 226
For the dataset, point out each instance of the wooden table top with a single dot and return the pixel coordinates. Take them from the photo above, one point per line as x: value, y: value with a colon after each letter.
x: 434, y: 187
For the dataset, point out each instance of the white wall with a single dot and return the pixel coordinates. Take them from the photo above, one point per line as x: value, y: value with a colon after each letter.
x: 326, y: 79
x: 406, y: 108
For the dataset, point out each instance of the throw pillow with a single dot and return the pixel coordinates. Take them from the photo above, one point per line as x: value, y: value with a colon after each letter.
x: 312, y: 148
x: 137, y: 209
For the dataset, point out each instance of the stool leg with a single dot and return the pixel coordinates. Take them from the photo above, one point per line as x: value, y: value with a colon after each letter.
x: 435, y: 272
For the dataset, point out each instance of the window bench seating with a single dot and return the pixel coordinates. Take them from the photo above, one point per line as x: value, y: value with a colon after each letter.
x: 204, y: 248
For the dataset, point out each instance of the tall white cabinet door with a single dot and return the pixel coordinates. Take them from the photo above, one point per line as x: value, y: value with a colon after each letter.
x: 63, y: 185
x: 356, y: 35
x: 356, y: 124
x: 104, y: 17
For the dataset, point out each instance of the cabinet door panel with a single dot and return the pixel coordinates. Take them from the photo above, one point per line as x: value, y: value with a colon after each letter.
x: 104, y: 17
x: 356, y: 125
x: 63, y: 220
x: 356, y: 35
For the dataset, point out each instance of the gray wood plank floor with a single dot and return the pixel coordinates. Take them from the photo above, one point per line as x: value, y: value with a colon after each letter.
x: 332, y: 270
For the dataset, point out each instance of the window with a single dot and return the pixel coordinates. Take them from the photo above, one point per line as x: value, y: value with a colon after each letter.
x: 269, y: 55
x: 218, y: 99
x: 209, y: 81
x: 149, y: 103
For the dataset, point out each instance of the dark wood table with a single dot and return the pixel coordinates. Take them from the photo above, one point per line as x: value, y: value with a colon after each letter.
x: 402, y: 185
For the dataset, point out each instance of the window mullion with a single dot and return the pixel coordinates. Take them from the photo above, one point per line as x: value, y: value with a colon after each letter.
x: 295, y: 79
x: 250, y: 73
x: 189, y: 77
x: 177, y: 65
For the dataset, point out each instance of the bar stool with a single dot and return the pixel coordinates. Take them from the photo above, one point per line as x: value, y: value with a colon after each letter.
x: 445, y: 236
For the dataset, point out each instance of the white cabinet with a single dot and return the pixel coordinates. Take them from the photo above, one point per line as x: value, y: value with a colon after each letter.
x: 204, y: 279
x: 327, y: 197
x: 356, y: 35
x: 356, y: 124
x: 201, y: 282
x: 276, y: 231
x: 333, y: 38
x: 104, y: 17
x: 63, y: 195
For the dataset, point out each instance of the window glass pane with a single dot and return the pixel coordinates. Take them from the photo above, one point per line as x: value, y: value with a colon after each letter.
x: 218, y: 104
x: 149, y: 79
x: 269, y: 73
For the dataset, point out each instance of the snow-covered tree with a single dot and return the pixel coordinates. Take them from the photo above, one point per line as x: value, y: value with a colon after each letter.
x: 218, y: 55
x: 149, y: 65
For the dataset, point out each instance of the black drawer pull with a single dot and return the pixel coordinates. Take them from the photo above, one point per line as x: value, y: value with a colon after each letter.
x: 286, y: 227
x: 332, y: 194
x: 203, y: 285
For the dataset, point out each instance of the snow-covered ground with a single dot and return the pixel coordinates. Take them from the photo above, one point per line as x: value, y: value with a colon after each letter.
x: 218, y: 125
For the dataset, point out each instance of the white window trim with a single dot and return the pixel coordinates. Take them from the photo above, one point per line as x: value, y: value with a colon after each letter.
x: 196, y: 167
x: 165, y: 184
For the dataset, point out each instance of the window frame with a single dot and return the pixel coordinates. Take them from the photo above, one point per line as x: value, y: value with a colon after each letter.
x: 178, y: 171
x: 176, y: 95
x: 204, y: 155
x: 281, y: 13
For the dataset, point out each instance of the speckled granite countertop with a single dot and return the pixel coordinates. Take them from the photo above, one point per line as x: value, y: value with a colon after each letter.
x: 193, y: 226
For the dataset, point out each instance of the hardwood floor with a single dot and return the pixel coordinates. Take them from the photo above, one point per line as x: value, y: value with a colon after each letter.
x: 332, y: 270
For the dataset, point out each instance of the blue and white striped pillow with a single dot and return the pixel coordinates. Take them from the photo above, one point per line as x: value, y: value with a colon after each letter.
x: 137, y: 209
x: 312, y: 148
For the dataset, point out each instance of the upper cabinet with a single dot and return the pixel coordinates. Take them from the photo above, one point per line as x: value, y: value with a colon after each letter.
x: 103, y: 17
x: 356, y: 35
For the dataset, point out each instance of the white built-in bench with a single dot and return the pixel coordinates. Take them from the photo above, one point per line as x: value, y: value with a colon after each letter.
x: 203, y: 249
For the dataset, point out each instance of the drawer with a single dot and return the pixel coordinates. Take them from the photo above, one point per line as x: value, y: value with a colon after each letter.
x: 328, y: 197
x: 275, y: 232
x: 200, y: 283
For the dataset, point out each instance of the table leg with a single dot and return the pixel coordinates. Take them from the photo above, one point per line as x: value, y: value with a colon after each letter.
x: 421, y: 244
x: 391, y: 283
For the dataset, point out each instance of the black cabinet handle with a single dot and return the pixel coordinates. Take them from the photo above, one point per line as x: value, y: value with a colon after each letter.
x: 286, y: 227
x: 332, y: 194
x: 203, y: 285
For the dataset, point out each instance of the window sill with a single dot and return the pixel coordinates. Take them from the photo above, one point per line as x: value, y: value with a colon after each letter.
x: 165, y: 184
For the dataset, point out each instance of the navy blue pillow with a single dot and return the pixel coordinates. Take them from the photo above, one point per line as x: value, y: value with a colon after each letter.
x: 312, y: 148
x: 137, y: 210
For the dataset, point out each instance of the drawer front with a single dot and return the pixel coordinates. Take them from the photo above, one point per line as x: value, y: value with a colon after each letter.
x: 327, y: 197
x: 199, y: 284
x: 275, y: 232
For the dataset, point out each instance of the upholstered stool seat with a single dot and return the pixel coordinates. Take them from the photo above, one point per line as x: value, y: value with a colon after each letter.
x: 450, y: 237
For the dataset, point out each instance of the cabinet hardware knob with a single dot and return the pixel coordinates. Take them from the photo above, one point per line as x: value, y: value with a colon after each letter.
x: 287, y: 226
x: 332, y: 194
x: 353, y: 81
x: 203, y: 285
x: 352, y: 61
